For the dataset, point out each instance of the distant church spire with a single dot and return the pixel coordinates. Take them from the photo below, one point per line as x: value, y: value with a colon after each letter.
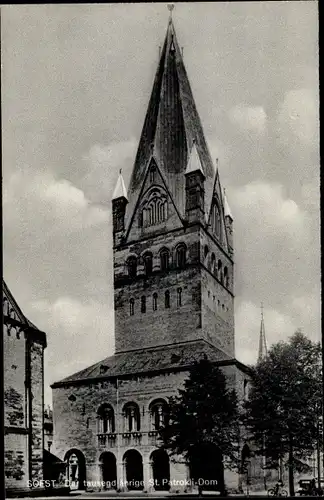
x: 262, y: 341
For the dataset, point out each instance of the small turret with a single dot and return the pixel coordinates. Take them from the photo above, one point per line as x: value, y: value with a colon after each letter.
x: 195, y: 188
x: 228, y: 224
x: 119, y: 202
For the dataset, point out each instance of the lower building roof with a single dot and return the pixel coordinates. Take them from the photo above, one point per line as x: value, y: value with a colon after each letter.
x: 167, y: 358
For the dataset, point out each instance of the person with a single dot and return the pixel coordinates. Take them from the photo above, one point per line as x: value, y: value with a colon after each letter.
x: 278, y: 486
x: 312, y: 486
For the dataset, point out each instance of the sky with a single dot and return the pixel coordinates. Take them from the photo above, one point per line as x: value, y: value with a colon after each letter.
x: 76, y: 81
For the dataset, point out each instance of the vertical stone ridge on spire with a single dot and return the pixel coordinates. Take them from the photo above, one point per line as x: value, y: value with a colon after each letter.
x: 171, y: 126
x: 227, y: 209
x: 262, y: 340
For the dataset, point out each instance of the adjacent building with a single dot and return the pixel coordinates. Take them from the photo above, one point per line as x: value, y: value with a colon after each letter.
x: 174, y: 303
x: 23, y: 348
x: 48, y: 428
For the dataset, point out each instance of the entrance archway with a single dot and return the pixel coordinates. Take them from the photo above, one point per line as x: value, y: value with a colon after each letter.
x: 76, y: 469
x: 161, y: 470
x: 206, y: 467
x: 133, y: 466
x: 108, y: 470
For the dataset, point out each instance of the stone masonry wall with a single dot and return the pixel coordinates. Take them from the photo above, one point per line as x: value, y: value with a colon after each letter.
x: 180, y: 322
x: 76, y: 426
x: 75, y: 412
x: 15, y: 460
x: 15, y: 417
x: 217, y: 297
x: 37, y: 409
x: 14, y: 378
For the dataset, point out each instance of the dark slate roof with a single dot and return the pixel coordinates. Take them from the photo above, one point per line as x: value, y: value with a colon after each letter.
x: 157, y: 359
x: 171, y: 126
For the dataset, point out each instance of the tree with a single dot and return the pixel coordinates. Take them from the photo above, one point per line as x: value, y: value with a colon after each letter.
x: 203, y: 422
x: 285, y: 403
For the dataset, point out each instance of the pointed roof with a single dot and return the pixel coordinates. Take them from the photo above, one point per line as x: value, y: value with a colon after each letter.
x: 171, y: 126
x: 227, y: 209
x: 194, y: 162
x: 120, y: 189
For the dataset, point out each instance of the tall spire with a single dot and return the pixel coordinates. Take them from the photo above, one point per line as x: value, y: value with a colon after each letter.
x: 262, y: 341
x: 171, y: 126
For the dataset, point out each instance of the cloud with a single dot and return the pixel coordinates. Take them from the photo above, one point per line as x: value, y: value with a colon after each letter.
x: 265, y: 207
x: 310, y: 192
x: 298, y: 117
x: 272, y: 234
x: 249, y: 119
x: 40, y: 198
x: 102, y: 166
x: 53, y: 233
x: 77, y: 332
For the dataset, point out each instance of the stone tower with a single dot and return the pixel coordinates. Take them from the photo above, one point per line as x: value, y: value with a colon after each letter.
x: 173, y: 290
x: 173, y: 250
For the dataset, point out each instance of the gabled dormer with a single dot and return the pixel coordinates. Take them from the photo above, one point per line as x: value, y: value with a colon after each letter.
x: 155, y: 211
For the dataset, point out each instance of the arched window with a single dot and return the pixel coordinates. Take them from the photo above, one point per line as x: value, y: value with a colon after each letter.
x: 225, y: 276
x: 212, y: 263
x: 159, y: 414
x: 206, y: 250
x: 143, y: 304
x: 167, y: 299
x: 131, y: 307
x: 219, y: 271
x: 106, y: 419
x: 181, y: 255
x: 164, y: 259
x: 132, y: 266
x: 216, y: 220
x: 132, y: 421
x: 155, y: 208
x: 179, y: 297
x: 148, y: 263
x: 154, y: 301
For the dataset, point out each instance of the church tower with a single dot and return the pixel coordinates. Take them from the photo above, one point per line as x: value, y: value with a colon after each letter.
x: 173, y: 245
x: 174, y: 302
